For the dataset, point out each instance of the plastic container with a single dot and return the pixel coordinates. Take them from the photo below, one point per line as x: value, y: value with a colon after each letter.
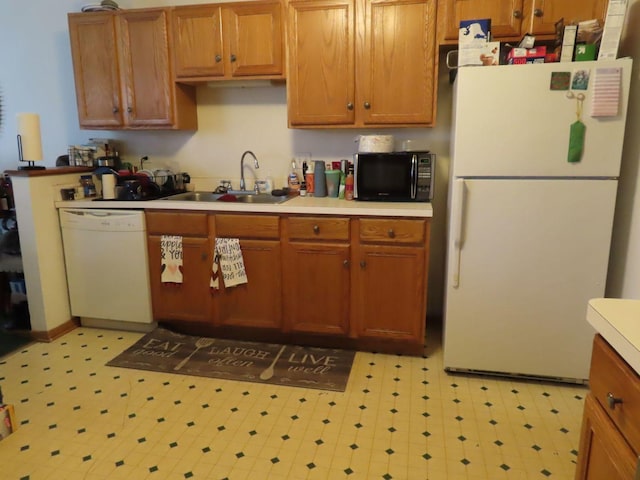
x: 333, y: 182
x: 319, y: 180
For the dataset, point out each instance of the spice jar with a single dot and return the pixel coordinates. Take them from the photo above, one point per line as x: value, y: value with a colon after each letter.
x: 88, y: 187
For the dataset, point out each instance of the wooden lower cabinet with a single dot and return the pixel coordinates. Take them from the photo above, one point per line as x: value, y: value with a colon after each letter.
x: 343, y: 281
x: 604, y: 453
x: 257, y: 303
x: 610, y: 436
x: 190, y: 300
x: 389, y: 299
x: 390, y: 292
x: 317, y: 275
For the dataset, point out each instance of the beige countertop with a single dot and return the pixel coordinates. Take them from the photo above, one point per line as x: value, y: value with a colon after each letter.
x: 296, y: 205
x: 618, y: 321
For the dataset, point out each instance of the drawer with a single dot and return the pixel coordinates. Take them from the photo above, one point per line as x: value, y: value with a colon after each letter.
x: 192, y: 224
x: 318, y: 228
x: 380, y: 230
x: 247, y: 226
x: 611, y: 375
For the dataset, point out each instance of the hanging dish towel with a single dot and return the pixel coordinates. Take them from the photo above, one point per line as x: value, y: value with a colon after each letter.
x: 171, y: 258
x: 229, y: 255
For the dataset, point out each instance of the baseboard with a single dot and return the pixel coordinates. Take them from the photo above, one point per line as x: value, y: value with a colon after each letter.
x: 60, y: 330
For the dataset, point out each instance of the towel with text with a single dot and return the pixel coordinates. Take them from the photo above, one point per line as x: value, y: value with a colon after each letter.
x: 171, y: 259
x: 228, y: 256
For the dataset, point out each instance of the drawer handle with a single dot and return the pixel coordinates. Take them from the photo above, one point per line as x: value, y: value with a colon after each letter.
x: 345, y: 263
x: 363, y: 264
x: 391, y: 233
x: 316, y: 229
x: 612, y: 401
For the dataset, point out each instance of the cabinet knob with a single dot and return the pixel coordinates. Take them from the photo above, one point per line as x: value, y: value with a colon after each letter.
x: 316, y: 229
x: 363, y: 264
x: 345, y: 262
x: 538, y: 12
x: 349, y: 106
x: 232, y: 57
x: 391, y: 233
x: 129, y: 109
x: 115, y: 110
x: 367, y: 105
x: 218, y: 58
x: 517, y: 14
x: 204, y: 256
x: 612, y: 401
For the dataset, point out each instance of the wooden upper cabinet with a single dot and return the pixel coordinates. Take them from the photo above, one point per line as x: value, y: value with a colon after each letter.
x: 222, y: 41
x: 361, y: 63
x: 506, y: 17
x: 396, y: 71
x: 254, y: 39
x: 197, y: 36
x: 96, y: 70
x: 145, y: 68
x: 321, y: 65
x: 545, y: 13
x: 123, y: 72
x: 510, y: 19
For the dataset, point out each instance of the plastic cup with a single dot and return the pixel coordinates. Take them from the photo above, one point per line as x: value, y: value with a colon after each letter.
x: 333, y: 182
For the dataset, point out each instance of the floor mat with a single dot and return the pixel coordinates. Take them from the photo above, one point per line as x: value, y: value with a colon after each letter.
x: 307, y: 367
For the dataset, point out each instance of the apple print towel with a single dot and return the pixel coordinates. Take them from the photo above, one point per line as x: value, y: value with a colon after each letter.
x: 229, y: 256
x: 171, y: 258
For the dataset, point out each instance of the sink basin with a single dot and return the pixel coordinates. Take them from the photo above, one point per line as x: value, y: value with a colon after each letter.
x: 254, y: 198
x: 195, y: 196
x: 264, y: 198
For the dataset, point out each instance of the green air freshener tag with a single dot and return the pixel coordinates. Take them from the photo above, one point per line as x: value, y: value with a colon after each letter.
x: 576, y: 141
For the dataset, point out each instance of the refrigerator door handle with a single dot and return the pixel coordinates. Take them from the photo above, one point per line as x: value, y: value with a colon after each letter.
x: 456, y: 225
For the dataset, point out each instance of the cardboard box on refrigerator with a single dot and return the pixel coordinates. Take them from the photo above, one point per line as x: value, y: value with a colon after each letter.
x: 520, y: 56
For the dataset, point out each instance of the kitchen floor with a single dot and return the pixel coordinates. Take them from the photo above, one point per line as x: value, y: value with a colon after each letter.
x: 400, y: 418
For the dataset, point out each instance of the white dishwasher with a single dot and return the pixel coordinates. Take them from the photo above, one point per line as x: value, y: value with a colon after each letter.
x: 107, y: 265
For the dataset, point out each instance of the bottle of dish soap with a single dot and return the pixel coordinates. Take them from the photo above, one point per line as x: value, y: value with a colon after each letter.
x: 292, y: 180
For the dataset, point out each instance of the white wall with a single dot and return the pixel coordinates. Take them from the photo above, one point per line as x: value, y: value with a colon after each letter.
x: 624, y: 267
x: 36, y: 76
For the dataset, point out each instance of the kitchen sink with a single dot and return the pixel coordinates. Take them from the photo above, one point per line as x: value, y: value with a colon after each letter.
x: 263, y: 198
x: 195, y: 196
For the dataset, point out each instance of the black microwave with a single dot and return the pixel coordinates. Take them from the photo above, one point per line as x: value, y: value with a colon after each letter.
x: 394, y: 177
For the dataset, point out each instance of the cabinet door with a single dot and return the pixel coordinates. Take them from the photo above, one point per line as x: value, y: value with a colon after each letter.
x: 390, y: 292
x: 190, y: 300
x: 253, y: 32
x: 546, y: 13
x: 145, y: 67
x: 506, y: 17
x: 320, y: 70
x: 95, y: 68
x: 316, y: 288
x: 197, y: 34
x: 603, y: 452
x: 396, y: 64
x: 257, y: 303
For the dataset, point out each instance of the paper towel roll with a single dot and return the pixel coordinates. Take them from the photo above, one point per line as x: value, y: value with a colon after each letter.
x: 29, y: 131
x: 108, y: 186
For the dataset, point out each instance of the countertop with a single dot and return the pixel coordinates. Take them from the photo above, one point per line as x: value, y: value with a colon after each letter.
x: 295, y: 205
x: 618, y: 321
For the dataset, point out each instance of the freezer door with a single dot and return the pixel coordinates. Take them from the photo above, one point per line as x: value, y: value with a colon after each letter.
x: 507, y: 122
x: 528, y: 256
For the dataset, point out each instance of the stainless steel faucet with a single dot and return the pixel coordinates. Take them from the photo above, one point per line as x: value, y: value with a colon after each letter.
x: 255, y: 164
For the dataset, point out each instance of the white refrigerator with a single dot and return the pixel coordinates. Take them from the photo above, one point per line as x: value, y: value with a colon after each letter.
x: 529, y: 232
